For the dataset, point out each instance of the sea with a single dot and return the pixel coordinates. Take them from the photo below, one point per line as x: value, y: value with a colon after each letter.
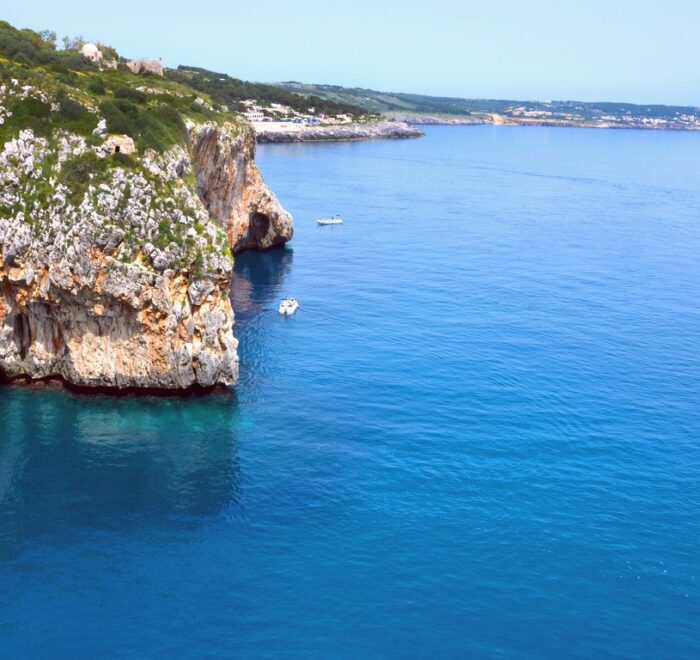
x: 479, y: 436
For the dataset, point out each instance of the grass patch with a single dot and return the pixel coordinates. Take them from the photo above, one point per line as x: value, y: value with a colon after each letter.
x: 157, y: 127
x: 79, y: 172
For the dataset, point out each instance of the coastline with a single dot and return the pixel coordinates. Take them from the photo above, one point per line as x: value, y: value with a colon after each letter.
x: 495, y: 119
x: 270, y: 132
x: 406, y: 125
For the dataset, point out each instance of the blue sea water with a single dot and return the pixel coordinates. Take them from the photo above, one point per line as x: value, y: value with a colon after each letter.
x: 478, y: 437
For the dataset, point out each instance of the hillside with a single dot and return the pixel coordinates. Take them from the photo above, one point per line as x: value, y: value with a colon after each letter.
x: 600, y: 114
x: 374, y: 101
x: 233, y: 91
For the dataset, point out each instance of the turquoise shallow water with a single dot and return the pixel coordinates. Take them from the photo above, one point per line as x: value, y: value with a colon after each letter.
x: 479, y: 436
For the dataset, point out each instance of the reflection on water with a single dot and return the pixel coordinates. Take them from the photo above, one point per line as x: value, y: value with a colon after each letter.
x: 258, y: 284
x: 70, y: 463
x: 258, y: 280
x: 73, y: 465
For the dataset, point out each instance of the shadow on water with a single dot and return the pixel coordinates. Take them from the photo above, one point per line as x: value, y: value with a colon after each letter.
x: 258, y: 283
x: 72, y: 464
x: 258, y: 280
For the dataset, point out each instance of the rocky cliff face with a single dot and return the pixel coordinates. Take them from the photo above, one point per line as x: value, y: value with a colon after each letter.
x: 229, y: 184
x: 94, y: 325
x: 114, y: 269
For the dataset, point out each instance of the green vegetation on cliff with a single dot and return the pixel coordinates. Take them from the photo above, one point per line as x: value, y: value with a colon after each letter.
x: 150, y: 109
x: 57, y: 113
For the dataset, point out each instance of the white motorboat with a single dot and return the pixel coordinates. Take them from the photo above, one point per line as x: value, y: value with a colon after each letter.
x: 288, y: 306
x: 335, y: 220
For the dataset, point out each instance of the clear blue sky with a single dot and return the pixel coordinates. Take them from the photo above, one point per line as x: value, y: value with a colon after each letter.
x: 618, y: 50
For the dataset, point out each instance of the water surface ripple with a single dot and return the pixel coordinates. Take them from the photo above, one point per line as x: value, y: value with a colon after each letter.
x: 479, y: 436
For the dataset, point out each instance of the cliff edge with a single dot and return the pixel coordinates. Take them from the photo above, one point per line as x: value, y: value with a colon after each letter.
x: 230, y: 185
x: 122, y: 200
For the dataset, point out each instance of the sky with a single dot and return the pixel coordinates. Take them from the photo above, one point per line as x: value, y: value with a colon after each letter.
x: 614, y: 50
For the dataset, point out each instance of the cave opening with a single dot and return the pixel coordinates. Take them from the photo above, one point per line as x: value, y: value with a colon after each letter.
x: 23, y: 335
x: 259, y: 226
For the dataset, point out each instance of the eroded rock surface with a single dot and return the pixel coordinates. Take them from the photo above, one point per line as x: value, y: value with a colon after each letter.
x: 109, y: 327
x: 115, y: 267
x: 151, y: 66
x: 125, y: 285
x: 230, y: 185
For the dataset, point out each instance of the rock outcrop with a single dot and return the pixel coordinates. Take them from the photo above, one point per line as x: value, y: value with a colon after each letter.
x: 115, y: 268
x: 142, y: 66
x: 125, y: 286
x: 230, y: 185
x: 96, y: 325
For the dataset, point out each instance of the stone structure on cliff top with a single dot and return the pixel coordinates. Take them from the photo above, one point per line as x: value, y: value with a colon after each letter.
x: 141, y: 66
x: 115, y: 269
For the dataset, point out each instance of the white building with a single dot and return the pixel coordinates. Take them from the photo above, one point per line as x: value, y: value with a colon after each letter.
x: 92, y: 52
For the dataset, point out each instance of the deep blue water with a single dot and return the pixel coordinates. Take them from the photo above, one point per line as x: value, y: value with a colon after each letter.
x: 479, y: 436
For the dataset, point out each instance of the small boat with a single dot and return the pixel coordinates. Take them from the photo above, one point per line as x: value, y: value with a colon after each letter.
x: 288, y: 306
x: 335, y: 220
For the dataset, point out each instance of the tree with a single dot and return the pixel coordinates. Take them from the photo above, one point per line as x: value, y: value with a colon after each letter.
x: 49, y: 37
x: 73, y: 43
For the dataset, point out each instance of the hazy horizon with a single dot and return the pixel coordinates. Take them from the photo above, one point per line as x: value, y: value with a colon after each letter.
x: 545, y: 51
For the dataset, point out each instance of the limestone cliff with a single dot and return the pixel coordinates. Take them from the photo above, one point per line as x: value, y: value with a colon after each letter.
x: 230, y: 185
x: 115, y: 267
x: 123, y: 284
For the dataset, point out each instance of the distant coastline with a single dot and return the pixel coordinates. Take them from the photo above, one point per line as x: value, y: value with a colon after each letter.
x: 495, y: 119
x: 407, y: 125
x: 420, y: 109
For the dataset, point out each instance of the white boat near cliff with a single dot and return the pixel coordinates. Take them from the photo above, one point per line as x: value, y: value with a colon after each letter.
x: 288, y: 306
x: 335, y: 220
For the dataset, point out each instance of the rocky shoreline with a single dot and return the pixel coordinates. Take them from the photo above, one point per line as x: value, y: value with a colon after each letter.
x: 267, y: 132
x: 437, y: 120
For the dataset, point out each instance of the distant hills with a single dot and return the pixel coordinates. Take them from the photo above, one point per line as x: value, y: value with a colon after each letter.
x: 375, y: 101
x: 232, y: 91
x: 608, y: 114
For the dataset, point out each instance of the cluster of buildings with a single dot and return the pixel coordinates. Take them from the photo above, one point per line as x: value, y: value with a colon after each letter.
x: 277, y: 112
x: 593, y: 117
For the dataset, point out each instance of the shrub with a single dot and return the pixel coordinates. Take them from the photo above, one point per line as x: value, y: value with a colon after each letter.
x: 97, y: 86
x: 130, y: 94
x: 21, y: 58
x: 120, y: 116
x: 151, y: 128
x: 78, y: 172
x: 70, y: 110
x: 67, y: 78
x: 28, y: 113
x: 108, y: 52
x: 123, y: 160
